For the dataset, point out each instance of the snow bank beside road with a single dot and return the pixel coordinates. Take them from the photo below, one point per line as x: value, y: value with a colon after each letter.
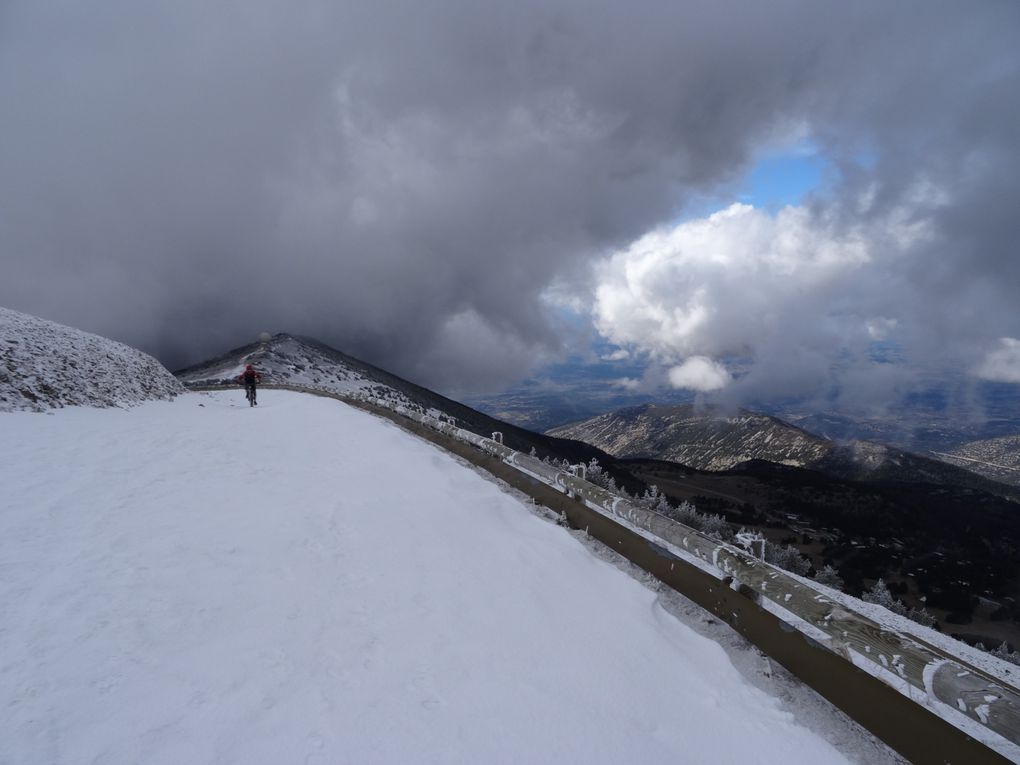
x: 44, y: 365
x: 199, y: 581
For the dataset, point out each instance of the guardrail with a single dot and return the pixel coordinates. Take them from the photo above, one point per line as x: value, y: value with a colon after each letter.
x: 982, y: 707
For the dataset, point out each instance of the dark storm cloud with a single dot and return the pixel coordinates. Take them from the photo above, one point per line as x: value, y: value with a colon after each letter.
x: 405, y: 180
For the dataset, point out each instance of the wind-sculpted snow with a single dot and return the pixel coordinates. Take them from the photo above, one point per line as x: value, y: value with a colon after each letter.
x: 45, y: 365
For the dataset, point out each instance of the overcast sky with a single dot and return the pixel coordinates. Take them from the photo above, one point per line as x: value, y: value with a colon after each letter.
x: 454, y: 189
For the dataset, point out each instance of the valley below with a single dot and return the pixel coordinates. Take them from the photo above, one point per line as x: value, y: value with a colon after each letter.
x: 951, y: 550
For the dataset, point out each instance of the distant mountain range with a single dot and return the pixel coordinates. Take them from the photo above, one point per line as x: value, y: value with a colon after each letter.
x: 932, y: 420
x: 700, y: 438
x: 707, y: 438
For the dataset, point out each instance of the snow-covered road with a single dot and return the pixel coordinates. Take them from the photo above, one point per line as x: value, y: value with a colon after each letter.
x: 200, y: 582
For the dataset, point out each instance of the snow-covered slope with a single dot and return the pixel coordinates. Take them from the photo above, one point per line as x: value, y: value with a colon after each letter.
x: 199, y: 581
x: 44, y: 365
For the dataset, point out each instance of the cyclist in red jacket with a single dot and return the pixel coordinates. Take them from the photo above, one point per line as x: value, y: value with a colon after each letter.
x: 248, y: 378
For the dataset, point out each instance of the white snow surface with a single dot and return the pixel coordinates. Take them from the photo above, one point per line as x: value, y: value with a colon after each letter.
x: 198, y: 581
x: 44, y: 365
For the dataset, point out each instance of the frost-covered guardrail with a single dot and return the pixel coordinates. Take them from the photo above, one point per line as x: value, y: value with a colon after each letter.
x: 984, y: 707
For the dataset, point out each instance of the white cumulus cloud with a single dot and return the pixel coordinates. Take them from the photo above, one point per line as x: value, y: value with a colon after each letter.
x: 620, y: 354
x: 723, y: 284
x: 699, y: 373
x: 797, y: 300
x: 1003, y: 363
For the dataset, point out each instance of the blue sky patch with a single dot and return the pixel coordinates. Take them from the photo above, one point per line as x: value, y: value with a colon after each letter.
x: 783, y: 179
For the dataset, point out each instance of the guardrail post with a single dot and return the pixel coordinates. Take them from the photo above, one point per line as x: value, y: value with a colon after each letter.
x: 751, y: 540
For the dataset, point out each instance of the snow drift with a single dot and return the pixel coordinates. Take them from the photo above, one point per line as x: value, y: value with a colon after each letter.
x: 45, y: 365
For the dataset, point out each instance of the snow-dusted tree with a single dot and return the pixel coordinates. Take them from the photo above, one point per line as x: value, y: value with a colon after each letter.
x: 921, y: 616
x: 662, y: 506
x: 650, y: 497
x: 830, y: 577
x: 686, y: 514
x: 787, y: 557
x: 563, y: 465
x: 657, y: 502
x: 880, y: 595
x: 716, y: 527
x: 598, y: 475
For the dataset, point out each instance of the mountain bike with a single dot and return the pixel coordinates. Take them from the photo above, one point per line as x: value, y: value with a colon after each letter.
x: 249, y: 393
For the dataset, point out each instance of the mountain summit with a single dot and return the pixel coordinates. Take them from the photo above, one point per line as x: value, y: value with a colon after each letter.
x: 290, y: 360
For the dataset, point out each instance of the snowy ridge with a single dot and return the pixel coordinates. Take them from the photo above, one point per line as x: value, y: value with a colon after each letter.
x: 288, y: 360
x: 45, y: 365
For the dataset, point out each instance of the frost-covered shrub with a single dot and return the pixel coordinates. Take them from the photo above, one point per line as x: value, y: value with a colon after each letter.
x: 921, y: 616
x: 787, y: 557
x: 686, y: 514
x: 1003, y: 652
x: 597, y: 475
x: 716, y: 527
x: 881, y: 596
x: 656, y: 501
x: 563, y: 465
x: 830, y: 577
x: 594, y: 473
